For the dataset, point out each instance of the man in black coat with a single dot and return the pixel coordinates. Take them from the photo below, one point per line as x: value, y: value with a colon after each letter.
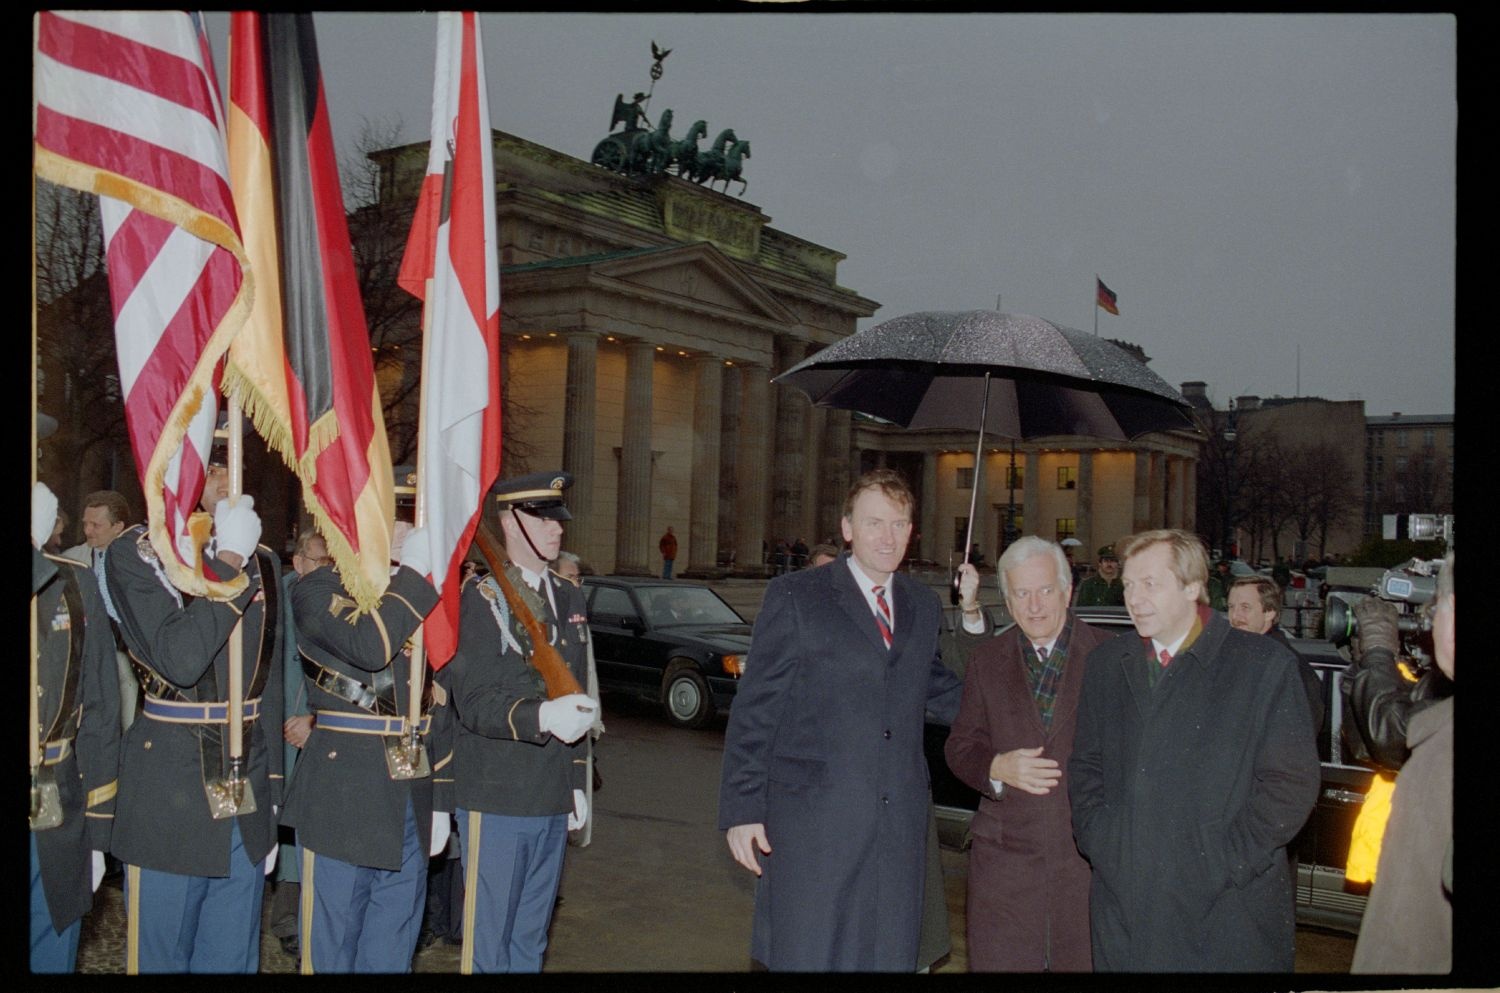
x: 1194, y: 764
x: 1255, y: 606
x: 824, y: 776
x: 364, y: 820
x: 194, y: 881
x: 519, y: 759
x: 78, y: 746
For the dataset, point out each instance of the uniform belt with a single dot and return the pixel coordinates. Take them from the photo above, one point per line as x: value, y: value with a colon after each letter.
x: 337, y: 684
x: 184, y: 712
x: 339, y: 720
x: 56, y: 751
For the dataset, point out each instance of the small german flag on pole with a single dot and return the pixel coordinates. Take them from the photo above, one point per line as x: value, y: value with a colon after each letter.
x: 1106, y: 297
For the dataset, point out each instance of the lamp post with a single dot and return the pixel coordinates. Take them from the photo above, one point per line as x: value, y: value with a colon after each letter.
x: 1229, y: 481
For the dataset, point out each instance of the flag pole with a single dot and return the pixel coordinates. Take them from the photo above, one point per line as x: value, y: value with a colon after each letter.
x: 418, y: 649
x: 33, y: 729
x: 1096, y: 305
x: 236, y: 710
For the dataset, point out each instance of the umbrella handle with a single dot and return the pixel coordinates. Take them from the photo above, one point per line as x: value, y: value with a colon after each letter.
x: 984, y: 408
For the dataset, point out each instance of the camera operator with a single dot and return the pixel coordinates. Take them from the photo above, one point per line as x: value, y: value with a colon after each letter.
x: 1408, y: 923
x: 1379, y: 697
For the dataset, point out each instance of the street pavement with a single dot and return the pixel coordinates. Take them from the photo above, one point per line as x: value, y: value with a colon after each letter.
x: 656, y: 891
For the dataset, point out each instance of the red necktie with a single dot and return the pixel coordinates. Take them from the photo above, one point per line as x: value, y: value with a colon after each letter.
x: 1164, y: 657
x: 882, y: 614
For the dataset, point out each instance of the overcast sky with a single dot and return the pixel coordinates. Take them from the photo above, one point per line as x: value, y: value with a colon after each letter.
x: 1245, y: 184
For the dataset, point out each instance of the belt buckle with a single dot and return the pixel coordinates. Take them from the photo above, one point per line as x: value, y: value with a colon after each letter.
x: 46, y: 803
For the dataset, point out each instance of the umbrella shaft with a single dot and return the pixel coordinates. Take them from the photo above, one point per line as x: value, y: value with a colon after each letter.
x: 984, y: 410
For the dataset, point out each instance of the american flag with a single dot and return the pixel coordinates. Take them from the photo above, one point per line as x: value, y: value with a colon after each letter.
x: 452, y: 244
x: 127, y: 106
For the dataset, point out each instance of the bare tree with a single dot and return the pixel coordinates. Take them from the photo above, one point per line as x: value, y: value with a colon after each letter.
x: 1321, y: 486
x: 78, y: 373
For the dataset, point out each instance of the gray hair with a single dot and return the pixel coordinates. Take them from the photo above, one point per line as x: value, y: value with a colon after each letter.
x: 571, y: 557
x: 1029, y: 547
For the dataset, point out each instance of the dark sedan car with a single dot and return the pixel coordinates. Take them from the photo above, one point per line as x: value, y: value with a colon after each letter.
x: 670, y: 641
x: 1322, y: 847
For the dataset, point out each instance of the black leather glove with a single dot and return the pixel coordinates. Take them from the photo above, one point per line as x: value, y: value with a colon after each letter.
x: 1376, y: 621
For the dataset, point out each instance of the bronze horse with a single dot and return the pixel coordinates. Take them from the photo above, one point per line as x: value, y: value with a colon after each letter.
x: 651, y: 151
x: 685, y: 152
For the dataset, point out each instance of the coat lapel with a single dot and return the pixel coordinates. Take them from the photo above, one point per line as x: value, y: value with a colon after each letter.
x: 853, y: 602
x: 904, y: 608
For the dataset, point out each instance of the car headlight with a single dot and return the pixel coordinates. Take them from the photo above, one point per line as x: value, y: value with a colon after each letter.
x: 734, y: 665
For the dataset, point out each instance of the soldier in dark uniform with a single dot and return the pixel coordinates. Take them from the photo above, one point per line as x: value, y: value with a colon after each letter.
x: 1103, y: 589
x: 518, y: 757
x: 364, y: 819
x: 78, y: 738
x: 194, y: 880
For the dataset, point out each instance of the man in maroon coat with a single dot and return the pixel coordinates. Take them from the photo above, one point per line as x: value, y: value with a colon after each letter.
x: 1028, y: 908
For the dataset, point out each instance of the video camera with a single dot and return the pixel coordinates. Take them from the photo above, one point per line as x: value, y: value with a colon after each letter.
x: 1409, y: 586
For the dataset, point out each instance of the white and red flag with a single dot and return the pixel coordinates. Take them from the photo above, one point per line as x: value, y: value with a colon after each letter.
x: 127, y: 106
x: 452, y: 245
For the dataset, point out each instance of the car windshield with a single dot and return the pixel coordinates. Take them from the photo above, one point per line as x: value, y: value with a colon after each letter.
x: 669, y: 605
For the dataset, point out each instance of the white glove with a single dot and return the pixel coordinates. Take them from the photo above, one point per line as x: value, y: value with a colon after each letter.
x: 567, y: 717
x: 414, y: 552
x: 237, y: 527
x: 43, y: 514
x: 97, y: 863
x: 441, y: 827
x: 580, y: 814
x: 271, y: 859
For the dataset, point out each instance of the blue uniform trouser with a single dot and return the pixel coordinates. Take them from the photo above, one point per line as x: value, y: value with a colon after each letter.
x: 179, y: 923
x: 50, y: 951
x: 512, y: 867
x: 355, y: 918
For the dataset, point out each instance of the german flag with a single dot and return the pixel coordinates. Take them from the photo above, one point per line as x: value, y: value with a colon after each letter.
x: 1106, y: 297
x: 302, y: 365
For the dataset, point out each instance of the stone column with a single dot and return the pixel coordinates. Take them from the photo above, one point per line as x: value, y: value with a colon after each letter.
x: 1031, y: 494
x: 751, y: 470
x: 1141, y: 518
x: 633, y: 508
x: 579, y: 402
x: 1158, y: 489
x: 729, y: 454
x: 789, y: 454
x: 1084, y: 514
x: 929, y: 510
x: 816, y: 424
x: 835, y: 480
x: 1190, y: 494
x: 703, y: 511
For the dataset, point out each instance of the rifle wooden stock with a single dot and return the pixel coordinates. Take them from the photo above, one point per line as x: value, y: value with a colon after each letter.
x: 555, y: 672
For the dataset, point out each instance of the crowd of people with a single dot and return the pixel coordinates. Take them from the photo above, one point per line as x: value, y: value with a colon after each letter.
x: 1137, y: 792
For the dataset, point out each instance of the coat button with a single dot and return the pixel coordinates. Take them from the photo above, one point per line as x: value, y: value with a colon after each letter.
x: 887, y: 732
x: 333, y: 755
x: 147, y: 745
x: 885, y: 800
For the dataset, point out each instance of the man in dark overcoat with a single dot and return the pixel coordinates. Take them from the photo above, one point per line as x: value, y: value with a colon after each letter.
x: 193, y: 880
x: 519, y: 758
x: 1028, y: 905
x: 78, y: 746
x: 1194, y: 764
x: 363, y: 815
x: 825, y: 791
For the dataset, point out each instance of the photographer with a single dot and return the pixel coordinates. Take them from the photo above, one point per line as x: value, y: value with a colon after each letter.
x: 1408, y: 924
x: 1379, y: 695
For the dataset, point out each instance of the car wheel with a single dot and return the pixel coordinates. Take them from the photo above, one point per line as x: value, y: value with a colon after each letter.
x: 685, y: 698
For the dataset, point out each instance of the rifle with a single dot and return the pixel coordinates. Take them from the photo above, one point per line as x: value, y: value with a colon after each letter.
x: 555, y: 672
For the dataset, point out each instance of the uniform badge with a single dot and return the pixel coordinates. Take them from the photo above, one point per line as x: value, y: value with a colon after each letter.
x: 62, y: 620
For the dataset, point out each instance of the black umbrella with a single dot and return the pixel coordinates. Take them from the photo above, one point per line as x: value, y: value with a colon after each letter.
x: 1011, y: 375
